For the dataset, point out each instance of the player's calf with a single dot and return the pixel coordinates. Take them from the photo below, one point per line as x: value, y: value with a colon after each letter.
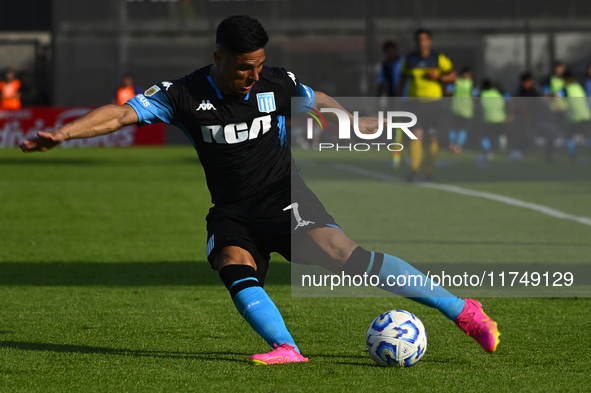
x: 255, y: 306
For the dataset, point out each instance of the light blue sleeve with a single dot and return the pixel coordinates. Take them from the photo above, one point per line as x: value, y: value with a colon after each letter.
x: 153, y: 106
x: 305, y: 98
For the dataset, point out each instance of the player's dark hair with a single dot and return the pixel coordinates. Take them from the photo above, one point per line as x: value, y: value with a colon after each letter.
x: 466, y: 69
x: 389, y: 44
x: 567, y: 74
x: 525, y: 76
x: 241, y: 34
x: 486, y: 84
x: 420, y: 31
x: 558, y: 63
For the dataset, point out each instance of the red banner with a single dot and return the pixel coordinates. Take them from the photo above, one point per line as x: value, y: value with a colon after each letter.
x: 16, y: 126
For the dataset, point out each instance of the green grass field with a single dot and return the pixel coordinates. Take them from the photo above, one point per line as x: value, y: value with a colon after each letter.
x: 104, y: 285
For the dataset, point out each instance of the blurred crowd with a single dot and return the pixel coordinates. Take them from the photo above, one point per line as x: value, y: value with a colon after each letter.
x: 550, y: 111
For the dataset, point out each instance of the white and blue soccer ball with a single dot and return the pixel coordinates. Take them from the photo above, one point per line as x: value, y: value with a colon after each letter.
x: 397, y: 338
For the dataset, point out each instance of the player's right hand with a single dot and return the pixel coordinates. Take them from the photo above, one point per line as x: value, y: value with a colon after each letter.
x: 43, y: 141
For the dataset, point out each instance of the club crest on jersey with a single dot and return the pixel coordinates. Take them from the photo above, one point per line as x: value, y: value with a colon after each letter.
x: 206, y: 106
x: 151, y: 91
x: 266, y: 102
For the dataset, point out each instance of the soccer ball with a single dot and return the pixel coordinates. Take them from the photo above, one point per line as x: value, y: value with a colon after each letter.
x: 396, y: 338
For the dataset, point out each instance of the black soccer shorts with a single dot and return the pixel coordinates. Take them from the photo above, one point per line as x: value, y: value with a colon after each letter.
x: 266, y: 223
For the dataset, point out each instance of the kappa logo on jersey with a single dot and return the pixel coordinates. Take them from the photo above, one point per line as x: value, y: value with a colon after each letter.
x: 206, y: 106
x: 151, y: 91
x: 266, y: 102
x: 296, y: 213
x: 236, y: 133
x: 166, y: 85
x: 292, y: 76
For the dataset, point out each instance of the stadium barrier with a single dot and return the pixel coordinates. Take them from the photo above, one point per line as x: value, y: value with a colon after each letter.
x: 16, y: 126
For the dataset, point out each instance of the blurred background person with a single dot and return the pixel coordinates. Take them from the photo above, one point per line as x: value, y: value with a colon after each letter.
x: 462, y: 109
x: 554, y: 88
x: 587, y: 84
x: 555, y: 82
x: 578, y: 113
x: 527, y: 86
x: 390, y: 70
x: 425, y: 70
x: 528, y: 112
x: 389, y: 75
x: 494, y: 115
x: 126, y: 91
x: 10, y: 91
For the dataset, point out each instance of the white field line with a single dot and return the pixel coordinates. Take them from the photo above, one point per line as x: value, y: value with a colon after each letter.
x: 464, y: 191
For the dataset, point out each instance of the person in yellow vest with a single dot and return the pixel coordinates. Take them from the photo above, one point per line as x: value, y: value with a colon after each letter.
x: 554, y: 88
x: 462, y: 109
x: 10, y: 91
x: 578, y: 113
x: 126, y: 91
x: 426, y: 70
x: 494, y: 116
x: 555, y: 82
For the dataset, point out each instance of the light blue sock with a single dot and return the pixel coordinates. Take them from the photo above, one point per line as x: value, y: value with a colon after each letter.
x: 462, y: 136
x: 440, y: 298
x: 571, y: 147
x: 260, y: 312
x: 452, y: 136
x: 485, y: 143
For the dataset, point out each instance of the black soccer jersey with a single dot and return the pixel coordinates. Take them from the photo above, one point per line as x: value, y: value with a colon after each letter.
x: 241, y: 140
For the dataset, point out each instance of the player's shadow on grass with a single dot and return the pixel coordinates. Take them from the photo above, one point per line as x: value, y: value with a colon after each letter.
x: 84, y: 349
x: 362, y: 359
x: 365, y: 360
x: 128, y: 274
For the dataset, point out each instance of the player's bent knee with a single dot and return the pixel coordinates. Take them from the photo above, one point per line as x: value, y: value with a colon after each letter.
x: 233, y: 255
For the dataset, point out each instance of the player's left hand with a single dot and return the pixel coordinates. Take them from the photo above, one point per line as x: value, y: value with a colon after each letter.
x: 369, y: 125
x: 433, y: 74
x: 43, y: 141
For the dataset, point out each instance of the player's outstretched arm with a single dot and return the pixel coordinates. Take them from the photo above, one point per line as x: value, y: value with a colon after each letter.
x: 367, y: 125
x: 101, y: 121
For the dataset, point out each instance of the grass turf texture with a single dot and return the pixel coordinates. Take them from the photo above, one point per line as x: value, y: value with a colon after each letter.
x: 105, y: 287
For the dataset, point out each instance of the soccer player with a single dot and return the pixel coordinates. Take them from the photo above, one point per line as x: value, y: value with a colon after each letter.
x: 494, y: 116
x: 233, y: 111
x: 462, y: 109
x: 587, y: 84
x: 554, y: 88
x: 579, y: 114
x: 426, y: 70
x: 555, y: 82
x: 390, y: 70
x: 388, y: 79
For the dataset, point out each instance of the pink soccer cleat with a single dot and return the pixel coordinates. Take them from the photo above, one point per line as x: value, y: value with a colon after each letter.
x: 476, y: 324
x: 281, y: 354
